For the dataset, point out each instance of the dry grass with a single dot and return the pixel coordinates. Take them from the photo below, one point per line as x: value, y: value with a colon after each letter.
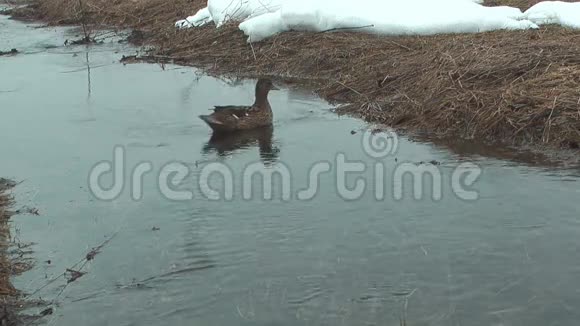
x: 514, y: 87
x: 10, y: 303
x: 6, y: 288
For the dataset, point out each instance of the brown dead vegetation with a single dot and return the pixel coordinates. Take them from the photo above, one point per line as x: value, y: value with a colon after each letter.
x: 7, y: 291
x: 12, y: 262
x: 517, y: 87
x: 5, y: 202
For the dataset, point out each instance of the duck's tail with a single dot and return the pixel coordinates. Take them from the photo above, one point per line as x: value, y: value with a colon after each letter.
x: 215, y: 124
x: 210, y: 120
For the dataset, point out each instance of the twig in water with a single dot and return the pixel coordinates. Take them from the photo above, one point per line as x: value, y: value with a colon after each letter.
x: 73, y: 275
x: 89, y: 256
x: 240, y: 313
x: 405, y: 306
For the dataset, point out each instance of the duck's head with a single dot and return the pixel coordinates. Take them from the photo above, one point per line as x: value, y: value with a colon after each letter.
x: 264, y: 85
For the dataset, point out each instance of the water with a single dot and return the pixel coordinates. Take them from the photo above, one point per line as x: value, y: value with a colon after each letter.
x: 508, y: 258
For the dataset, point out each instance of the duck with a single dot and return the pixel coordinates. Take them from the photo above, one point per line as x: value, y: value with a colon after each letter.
x: 231, y: 118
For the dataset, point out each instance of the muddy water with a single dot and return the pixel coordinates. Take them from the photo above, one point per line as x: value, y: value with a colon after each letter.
x: 508, y: 258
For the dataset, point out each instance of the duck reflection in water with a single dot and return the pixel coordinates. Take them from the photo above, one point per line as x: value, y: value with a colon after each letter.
x: 226, y: 144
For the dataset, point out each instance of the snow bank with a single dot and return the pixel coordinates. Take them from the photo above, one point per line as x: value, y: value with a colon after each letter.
x: 224, y: 10
x: 555, y: 12
x: 220, y: 11
x: 386, y: 17
x: 264, y: 18
x: 201, y: 18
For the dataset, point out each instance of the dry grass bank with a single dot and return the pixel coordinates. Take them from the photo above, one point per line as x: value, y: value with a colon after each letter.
x: 5, y: 202
x: 519, y: 88
x: 7, y: 291
x: 13, y: 261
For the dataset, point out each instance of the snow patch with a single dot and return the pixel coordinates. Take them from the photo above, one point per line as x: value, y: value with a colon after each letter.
x: 261, y: 19
x: 223, y: 11
x: 385, y: 17
x: 555, y: 12
x: 202, y: 17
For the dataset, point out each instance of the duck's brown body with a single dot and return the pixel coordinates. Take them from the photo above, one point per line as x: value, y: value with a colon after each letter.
x: 234, y: 118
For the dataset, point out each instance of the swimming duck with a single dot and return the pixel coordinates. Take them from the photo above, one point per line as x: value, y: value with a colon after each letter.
x: 232, y: 118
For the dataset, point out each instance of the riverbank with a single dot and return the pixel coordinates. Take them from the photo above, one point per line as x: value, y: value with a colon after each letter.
x: 8, y: 295
x: 516, y: 88
x: 13, y: 261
